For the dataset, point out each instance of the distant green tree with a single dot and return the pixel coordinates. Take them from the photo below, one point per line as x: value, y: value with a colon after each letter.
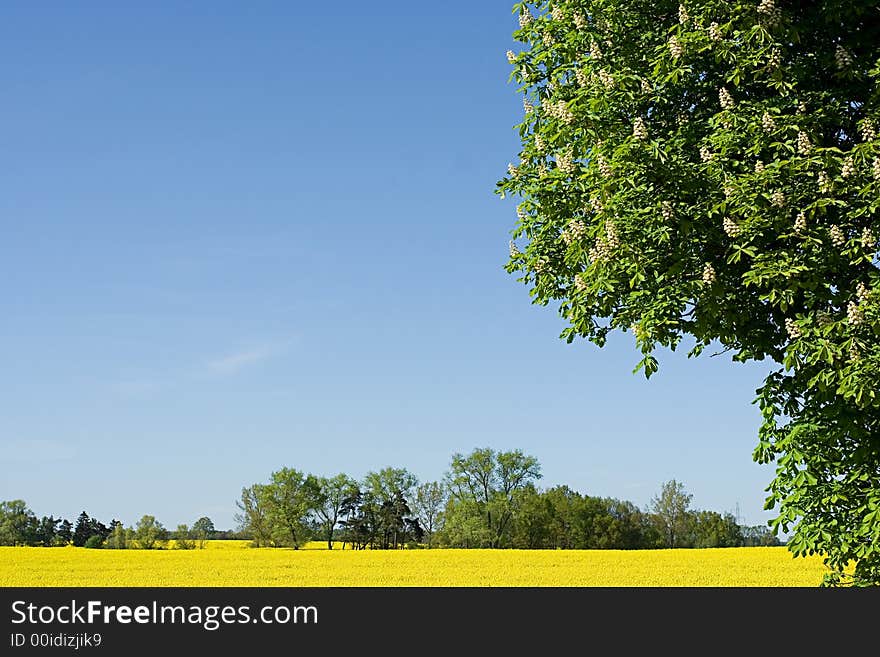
x: 671, y: 508
x: 288, y: 507
x: 87, y: 527
x: 387, y: 494
x: 149, y: 533
x: 203, y: 530
x: 562, y: 503
x: 118, y: 538
x: 17, y: 523
x: 46, y: 531
x: 759, y: 536
x: 712, y: 529
x: 64, y: 535
x: 488, y: 481
x: 463, y: 525
x: 327, y: 500
x: 183, y: 538
x: 94, y: 542
x: 82, y: 530
x: 532, y: 521
x: 427, y: 505
x: 253, y: 514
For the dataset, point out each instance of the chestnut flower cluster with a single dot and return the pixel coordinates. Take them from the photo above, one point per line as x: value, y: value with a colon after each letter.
x: 708, y: 274
x: 730, y: 227
x: 803, y: 143
x: 770, y: 12
x: 560, y: 111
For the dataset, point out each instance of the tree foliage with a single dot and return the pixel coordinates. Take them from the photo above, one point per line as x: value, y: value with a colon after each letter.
x: 288, y: 507
x: 671, y: 506
x: 712, y: 170
x: 487, y: 482
x: 328, y: 498
x: 150, y: 534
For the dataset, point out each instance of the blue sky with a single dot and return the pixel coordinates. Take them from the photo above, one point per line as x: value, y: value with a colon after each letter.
x: 241, y: 236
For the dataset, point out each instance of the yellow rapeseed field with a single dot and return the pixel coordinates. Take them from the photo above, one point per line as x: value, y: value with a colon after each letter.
x: 233, y: 563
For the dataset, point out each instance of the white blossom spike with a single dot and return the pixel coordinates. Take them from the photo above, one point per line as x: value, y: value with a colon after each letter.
x: 842, y: 57
x: 565, y: 162
x: 803, y: 143
x: 770, y: 12
x: 540, y: 144
x: 855, y: 313
x: 725, y: 98
x: 708, y: 274
x: 640, y: 131
x: 730, y: 227
x: 611, y: 237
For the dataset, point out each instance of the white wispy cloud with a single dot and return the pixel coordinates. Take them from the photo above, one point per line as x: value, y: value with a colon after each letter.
x: 237, y: 361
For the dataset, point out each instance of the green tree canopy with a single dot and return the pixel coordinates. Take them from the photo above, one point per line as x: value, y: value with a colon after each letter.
x: 671, y: 506
x: 486, y: 482
x: 150, y: 533
x: 288, y: 506
x: 328, y: 496
x: 711, y: 169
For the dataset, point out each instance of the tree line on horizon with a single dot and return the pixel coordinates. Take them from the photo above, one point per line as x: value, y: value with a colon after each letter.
x: 20, y: 526
x: 486, y: 499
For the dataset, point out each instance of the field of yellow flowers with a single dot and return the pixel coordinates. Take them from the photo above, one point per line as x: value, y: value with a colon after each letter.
x: 233, y: 563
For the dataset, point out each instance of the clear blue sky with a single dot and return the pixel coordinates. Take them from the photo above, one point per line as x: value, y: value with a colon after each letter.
x: 241, y: 236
